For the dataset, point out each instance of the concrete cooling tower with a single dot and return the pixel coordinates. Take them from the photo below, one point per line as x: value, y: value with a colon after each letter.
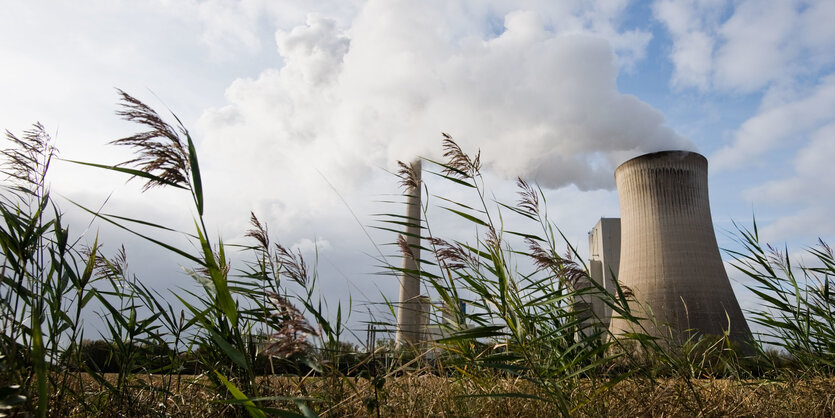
x: 669, y: 258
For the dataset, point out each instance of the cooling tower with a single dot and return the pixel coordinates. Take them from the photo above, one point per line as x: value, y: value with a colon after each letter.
x: 411, y: 320
x: 669, y: 258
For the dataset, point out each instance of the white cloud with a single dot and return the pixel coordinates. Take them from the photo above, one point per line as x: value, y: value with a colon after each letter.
x: 233, y: 29
x: 779, y: 125
x: 229, y: 25
x: 808, y: 224
x: 782, y: 50
x: 538, y: 101
x: 759, y: 45
x: 817, y: 30
x: 309, y: 247
x: 314, y: 52
x: 807, y: 191
x: 748, y: 45
x: 693, y: 25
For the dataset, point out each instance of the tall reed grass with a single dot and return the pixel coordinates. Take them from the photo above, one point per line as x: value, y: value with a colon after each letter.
x: 256, y: 339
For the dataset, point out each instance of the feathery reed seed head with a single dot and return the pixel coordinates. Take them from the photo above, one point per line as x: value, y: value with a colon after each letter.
x: 565, y: 268
x: 26, y: 159
x: 454, y: 256
x: 492, y: 238
x: 529, y: 198
x: 409, y: 179
x: 404, y: 247
x: 291, y: 338
x: 114, y: 268
x: 293, y: 264
x: 160, y: 150
x: 259, y: 232
x: 459, y: 164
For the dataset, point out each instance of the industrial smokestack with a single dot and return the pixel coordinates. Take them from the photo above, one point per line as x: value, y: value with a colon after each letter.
x: 411, y: 326
x: 669, y: 258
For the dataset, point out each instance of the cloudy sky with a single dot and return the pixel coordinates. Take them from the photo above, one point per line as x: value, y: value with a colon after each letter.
x: 301, y: 109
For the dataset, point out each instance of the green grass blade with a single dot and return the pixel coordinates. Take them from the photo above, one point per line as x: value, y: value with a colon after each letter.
x: 196, y: 182
x: 475, y: 333
x: 253, y: 410
x: 466, y: 216
x: 223, y: 296
x: 147, y: 238
x: 233, y: 353
x: 132, y: 172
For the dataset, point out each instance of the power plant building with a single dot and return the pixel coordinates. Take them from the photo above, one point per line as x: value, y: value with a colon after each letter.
x: 662, y: 251
x: 668, y: 258
x: 604, y: 260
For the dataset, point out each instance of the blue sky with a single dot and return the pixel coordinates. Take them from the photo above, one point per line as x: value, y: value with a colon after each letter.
x: 283, y: 95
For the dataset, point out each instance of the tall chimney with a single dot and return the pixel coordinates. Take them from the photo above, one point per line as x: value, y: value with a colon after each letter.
x: 669, y: 258
x: 410, y: 320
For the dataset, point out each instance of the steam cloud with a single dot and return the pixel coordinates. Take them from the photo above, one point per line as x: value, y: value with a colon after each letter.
x: 539, y: 98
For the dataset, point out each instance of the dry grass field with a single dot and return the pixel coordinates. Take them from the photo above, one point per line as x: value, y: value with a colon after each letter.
x: 427, y: 395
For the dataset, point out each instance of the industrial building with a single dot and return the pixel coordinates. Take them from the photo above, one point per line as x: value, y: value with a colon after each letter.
x: 662, y: 251
x: 604, y: 260
x: 669, y: 260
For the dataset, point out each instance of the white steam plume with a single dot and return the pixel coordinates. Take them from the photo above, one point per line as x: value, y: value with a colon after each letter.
x: 539, y: 100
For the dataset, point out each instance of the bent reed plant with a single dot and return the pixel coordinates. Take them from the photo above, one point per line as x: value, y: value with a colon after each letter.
x: 44, y: 279
x: 799, y: 301
x: 258, y: 340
